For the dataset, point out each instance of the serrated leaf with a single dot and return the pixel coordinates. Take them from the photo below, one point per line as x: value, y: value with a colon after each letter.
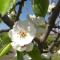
x: 40, y: 7
x: 4, y: 5
x: 35, y: 54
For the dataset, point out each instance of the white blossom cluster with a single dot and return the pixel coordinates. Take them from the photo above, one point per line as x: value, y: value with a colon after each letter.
x: 37, y: 20
x: 23, y: 33
x: 52, y: 5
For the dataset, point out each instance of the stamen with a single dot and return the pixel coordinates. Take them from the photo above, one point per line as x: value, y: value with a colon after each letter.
x: 22, y: 33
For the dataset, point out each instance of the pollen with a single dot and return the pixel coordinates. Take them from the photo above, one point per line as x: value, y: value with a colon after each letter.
x: 23, y: 33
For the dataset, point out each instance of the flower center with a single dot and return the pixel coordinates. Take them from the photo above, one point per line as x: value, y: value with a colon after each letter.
x: 23, y: 33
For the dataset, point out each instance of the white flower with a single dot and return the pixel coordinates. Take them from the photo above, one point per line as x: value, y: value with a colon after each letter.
x: 56, y: 29
x: 29, y: 47
x: 37, y: 20
x: 27, y: 57
x: 26, y: 48
x: 22, y: 34
x: 46, y: 55
x: 51, y: 6
x: 11, y: 14
x: 32, y: 16
x: 58, y: 51
x: 42, y: 37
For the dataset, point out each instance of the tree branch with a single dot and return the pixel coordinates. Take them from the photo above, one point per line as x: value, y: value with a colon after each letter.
x: 20, y: 9
x: 7, y: 20
x: 1, y: 31
x: 52, y: 20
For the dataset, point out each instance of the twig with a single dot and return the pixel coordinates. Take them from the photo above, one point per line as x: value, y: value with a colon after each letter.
x: 52, y: 20
x: 20, y: 9
x: 7, y: 20
x: 14, y: 6
x: 1, y: 31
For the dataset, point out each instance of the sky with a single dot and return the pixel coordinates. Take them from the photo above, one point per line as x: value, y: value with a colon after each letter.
x: 26, y: 9
x: 3, y: 26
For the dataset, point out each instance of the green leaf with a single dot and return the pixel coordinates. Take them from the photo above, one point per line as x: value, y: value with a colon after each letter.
x: 19, y: 55
x: 14, y: 1
x: 5, y: 50
x: 35, y: 54
x: 55, y: 56
x: 4, y: 6
x: 0, y: 20
x: 42, y: 26
x: 4, y: 40
x: 40, y: 7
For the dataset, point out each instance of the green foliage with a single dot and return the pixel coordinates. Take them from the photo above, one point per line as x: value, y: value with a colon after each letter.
x: 4, y: 5
x: 40, y: 7
x: 50, y: 39
x: 42, y: 26
x: 19, y: 55
x: 0, y: 20
x: 5, y: 38
x: 14, y: 1
x: 55, y: 56
x: 35, y: 54
x: 4, y: 41
x: 5, y: 50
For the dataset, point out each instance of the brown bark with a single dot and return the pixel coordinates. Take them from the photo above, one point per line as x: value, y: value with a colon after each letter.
x: 52, y: 20
x: 1, y: 31
x: 7, y: 20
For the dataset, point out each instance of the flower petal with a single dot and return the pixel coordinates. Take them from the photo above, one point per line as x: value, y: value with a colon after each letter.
x: 18, y: 27
x: 27, y: 57
x: 29, y: 47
